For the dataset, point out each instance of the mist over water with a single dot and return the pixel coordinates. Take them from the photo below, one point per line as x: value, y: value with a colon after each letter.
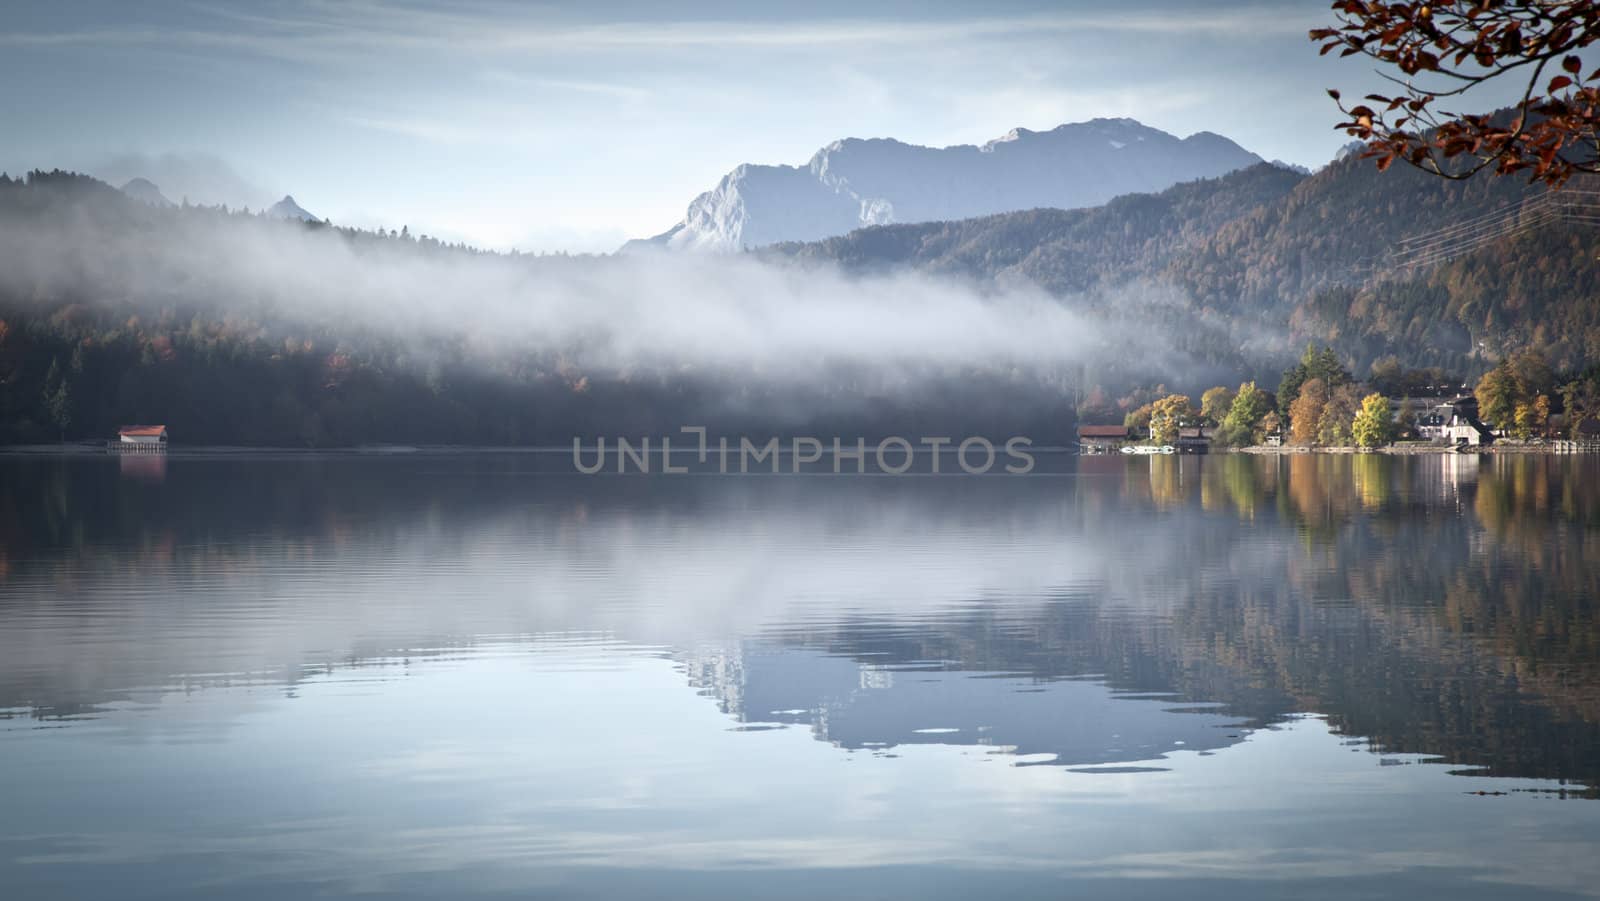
x: 810, y: 335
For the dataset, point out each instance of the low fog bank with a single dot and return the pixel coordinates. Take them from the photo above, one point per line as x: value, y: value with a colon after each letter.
x: 725, y: 340
x: 483, y: 546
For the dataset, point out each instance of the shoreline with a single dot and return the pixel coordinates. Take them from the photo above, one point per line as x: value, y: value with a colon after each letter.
x: 1554, y: 449
x: 81, y: 449
x: 84, y: 449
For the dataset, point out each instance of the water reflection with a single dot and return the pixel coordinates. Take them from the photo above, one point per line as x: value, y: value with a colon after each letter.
x: 1437, y: 605
x: 432, y: 676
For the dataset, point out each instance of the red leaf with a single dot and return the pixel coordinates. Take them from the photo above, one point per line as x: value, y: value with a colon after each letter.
x: 1559, y: 82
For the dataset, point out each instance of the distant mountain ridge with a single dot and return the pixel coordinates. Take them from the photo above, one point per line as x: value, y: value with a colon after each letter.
x: 855, y: 182
x: 288, y: 209
x: 145, y: 191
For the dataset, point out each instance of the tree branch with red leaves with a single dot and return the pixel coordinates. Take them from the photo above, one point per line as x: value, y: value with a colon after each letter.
x: 1444, y: 50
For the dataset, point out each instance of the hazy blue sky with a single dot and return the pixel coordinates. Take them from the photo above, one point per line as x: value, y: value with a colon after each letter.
x: 575, y: 125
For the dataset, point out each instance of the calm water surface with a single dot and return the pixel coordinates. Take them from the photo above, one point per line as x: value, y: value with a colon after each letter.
x: 437, y: 676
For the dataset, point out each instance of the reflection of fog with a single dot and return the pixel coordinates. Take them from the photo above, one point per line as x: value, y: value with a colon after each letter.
x: 1436, y: 607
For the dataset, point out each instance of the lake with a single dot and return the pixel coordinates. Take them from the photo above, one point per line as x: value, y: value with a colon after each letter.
x: 483, y: 675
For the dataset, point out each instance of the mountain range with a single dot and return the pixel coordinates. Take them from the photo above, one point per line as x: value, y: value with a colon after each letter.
x: 147, y: 192
x: 1254, y: 264
x: 854, y: 182
x: 1205, y: 281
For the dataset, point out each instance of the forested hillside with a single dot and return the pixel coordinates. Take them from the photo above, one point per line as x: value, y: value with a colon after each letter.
x: 1537, y: 290
x: 227, y: 327
x: 1264, y: 260
x: 233, y: 328
x: 1066, y: 251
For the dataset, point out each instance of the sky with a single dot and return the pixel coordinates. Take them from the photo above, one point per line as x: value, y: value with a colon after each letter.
x: 574, y: 126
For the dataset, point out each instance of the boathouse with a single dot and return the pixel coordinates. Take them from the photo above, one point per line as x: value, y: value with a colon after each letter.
x: 142, y: 438
x: 1100, y: 439
x: 1195, y: 439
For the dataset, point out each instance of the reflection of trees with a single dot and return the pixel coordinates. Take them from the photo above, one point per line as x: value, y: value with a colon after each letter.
x: 1386, y: 664
x: 1241, y: 482
x: 1523, y: 499
x: 1437, y: 608
x: 1370, y: 474
x: 1166, y: 480
x: 1397, y: 616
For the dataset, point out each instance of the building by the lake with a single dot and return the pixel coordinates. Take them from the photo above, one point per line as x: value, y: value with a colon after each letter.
x: 1195, y: 439
x: 142, y: 438
x: 1100, y: 439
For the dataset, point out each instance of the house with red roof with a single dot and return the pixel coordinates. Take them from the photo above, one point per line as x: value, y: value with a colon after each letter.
x: 142, y: 437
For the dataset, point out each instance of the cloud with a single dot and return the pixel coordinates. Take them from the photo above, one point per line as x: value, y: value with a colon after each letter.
x: 315, y: 29
x: 436, y: 131
x: 607, y: 89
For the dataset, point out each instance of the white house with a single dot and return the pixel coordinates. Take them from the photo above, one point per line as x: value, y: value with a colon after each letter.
x: 1434, y: 421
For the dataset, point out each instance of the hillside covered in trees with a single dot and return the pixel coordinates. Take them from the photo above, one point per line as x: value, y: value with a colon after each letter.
x: 239, y: 329
x: 236, y: 328
x: 1454, y: 274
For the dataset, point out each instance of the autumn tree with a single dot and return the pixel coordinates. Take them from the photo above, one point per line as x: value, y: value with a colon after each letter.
x: 1519, y: 381
x: 1270, y: 423
x: 1530, y: 417
x: 1166, y: 415
x: 1333, y: 429
x: 1323, y: 365
x: 1215, y: 404
x: 1305, y: 414
x: 1138, y: 420
x: 1532, y: 374
x: 1444, y: 50
x: 1497, y: 397
x: 1372, y: 426
x: 1581, y: 399
x: 1241, y: 425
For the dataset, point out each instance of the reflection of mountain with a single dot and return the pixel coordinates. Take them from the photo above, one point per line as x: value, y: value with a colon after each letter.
x: 876, y: 705
x: 1436, y: 606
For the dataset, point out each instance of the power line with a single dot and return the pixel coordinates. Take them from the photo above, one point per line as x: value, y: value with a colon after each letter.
x: 1445, y: 244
